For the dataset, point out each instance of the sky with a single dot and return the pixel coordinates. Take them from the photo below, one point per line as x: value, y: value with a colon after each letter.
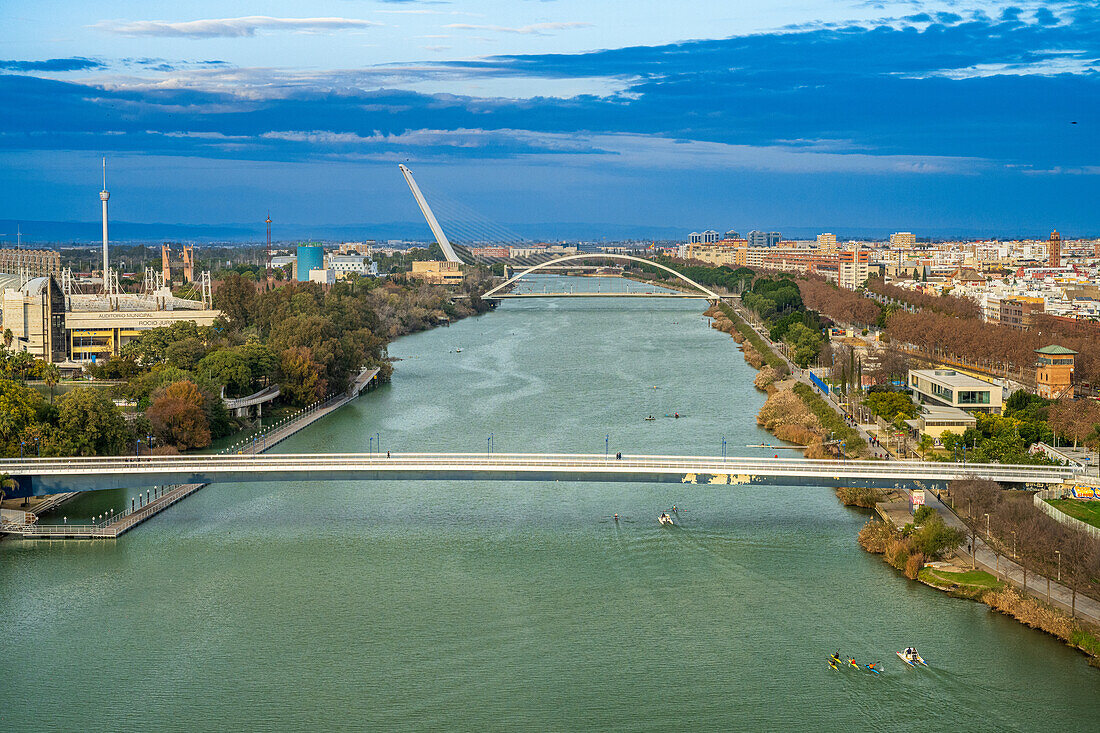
x: 976, y: 118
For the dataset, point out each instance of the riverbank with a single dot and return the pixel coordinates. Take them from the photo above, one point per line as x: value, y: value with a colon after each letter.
x: 958, y: 577
x: 793, y: 411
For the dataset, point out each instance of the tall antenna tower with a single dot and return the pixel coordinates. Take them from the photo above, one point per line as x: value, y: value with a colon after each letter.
x: 267, y: 261
x: 103, y: 196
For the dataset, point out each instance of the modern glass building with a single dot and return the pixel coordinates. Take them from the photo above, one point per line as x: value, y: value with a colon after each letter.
x: 310, y: 257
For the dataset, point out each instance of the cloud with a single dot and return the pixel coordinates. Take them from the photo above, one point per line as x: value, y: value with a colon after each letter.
x: 75, y: 63
x: 536, y: 29
x: 229, y: 27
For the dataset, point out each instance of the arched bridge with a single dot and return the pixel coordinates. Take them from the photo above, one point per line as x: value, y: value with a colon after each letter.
x: 40, y: 476
x: 704, y: 291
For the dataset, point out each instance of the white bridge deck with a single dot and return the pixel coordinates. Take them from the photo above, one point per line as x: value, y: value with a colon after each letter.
x: 38, y: 476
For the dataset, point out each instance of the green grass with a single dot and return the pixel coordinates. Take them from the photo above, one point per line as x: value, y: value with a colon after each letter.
x: 831, y: 421
x: 1087, y: 511
x: 753, y: 338
x: 971, y: 579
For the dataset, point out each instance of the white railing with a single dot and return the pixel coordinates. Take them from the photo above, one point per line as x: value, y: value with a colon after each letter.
x: 212, y: 465
x: 1040, y: 500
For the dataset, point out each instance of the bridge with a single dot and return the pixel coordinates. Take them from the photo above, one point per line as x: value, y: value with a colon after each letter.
x: 41, y: 476
x: 703, y: 291
x: 613, y: 294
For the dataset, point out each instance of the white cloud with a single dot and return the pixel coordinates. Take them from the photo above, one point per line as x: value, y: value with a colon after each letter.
x: 229, y: 27
x: 602, y: 150
x: 536, y: 29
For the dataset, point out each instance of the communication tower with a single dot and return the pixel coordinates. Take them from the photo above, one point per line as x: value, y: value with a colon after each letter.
x: 267, y: 261
x: 103, y: 196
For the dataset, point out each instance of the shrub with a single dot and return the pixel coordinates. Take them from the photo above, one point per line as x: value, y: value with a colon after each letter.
x: 861, y: 496
x: 921, y: 515
x: 897, y: 552
x: 874, y: 536
x: 913, y: 565
x: 935, y: 539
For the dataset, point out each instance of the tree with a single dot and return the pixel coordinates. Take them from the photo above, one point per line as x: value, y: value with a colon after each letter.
x: 302, y: 381
x: 90, y: 424
x: 7, y: 483
x: 926, y: 443
x: 236, y: 297
x: 935, y: 538
x: 19, y: 407
x: 1074, y: 419
x: 228, y: 368
x: 178, y: 416
x: 185, y: 353
x: 9, y: 337
x: 51, y: 374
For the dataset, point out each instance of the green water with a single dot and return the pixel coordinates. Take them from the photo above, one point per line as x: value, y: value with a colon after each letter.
x: 497, y: 606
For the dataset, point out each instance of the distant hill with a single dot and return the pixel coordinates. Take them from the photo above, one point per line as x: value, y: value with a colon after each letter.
x: 65, y: 232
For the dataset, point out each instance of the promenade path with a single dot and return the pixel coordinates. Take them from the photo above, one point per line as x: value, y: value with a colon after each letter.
x: 983, y: 555
x: 160, y: 498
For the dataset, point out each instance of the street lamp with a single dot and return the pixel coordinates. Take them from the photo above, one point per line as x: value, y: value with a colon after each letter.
x: 370, y: 445
x: 723, y: 447
x: 987, y: 534
x: 1013, y: 544
x: 137, y: 447
x: 606, y: 445
x: 1059, y: 554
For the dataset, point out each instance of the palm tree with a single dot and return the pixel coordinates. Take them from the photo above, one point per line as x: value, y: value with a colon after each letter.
x: 51, y: 374
x: 6, y: 482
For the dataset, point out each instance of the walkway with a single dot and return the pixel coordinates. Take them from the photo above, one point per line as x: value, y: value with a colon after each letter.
x: 802, y: 375
x: 159, y: 501
x: 50, y: 475
x: 1004, y: 568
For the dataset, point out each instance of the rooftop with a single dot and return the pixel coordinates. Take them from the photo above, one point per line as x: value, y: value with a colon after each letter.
x: 1055, y: 350
x: 956, y: 379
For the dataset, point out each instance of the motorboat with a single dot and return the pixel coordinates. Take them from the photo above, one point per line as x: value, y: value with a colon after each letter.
x: 910, y: 657
x: 665, y: 520
x: 650, y: 418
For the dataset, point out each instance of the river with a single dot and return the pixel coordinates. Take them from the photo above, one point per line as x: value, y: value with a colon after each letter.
x: 500, y: 606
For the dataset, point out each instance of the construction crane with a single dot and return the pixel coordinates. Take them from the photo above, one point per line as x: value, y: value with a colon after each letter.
x: 426, y: 210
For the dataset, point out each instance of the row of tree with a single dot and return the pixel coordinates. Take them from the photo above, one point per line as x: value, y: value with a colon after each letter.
x: 839, y: 304
x: 992, y: 345
x: 1036, y: 540
x: 949, y: 305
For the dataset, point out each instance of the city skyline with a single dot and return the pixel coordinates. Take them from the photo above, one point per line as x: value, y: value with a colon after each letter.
x: 948, y: 119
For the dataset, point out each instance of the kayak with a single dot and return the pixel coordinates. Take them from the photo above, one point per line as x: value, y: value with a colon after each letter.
x: 873, y: 668
x: 832, y: 663
x: 914, y: 662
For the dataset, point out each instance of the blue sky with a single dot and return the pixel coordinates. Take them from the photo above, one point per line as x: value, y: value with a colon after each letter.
x: 936, y: 117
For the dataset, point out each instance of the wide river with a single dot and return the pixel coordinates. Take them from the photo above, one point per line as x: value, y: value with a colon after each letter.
x: 500, y: 606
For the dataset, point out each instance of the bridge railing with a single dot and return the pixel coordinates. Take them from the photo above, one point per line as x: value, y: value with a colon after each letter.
x: 687, y: 464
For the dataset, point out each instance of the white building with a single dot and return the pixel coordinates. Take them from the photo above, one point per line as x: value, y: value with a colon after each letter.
x: 344, y: 265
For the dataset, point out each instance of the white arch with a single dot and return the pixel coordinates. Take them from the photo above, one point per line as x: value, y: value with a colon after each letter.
x: 603, y: 256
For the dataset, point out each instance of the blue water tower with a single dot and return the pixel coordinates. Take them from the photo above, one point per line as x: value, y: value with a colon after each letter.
x: 310, y: 257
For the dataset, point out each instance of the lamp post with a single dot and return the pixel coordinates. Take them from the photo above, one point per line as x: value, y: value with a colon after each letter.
x: 723, y: 447
x: 987, y: 526
x: 137, y: 447
x: 1013, y: 544
x: 1059, y: 554
x: 370, y: 446
x: 606, y: 446
x: 21, y: 444
x: 378, y: 441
